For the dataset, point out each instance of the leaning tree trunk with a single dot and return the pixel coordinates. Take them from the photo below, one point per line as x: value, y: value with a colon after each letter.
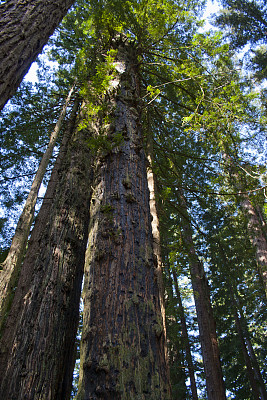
x: 25, y: 27
x: 11, y: 266
x: 38, y: 341
x: 257, y: 238
x: 122, y: 345
x: 205, y: 318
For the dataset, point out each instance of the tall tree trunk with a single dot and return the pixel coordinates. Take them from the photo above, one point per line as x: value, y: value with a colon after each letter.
x: 25, y: 27
x: 257, y: 238
x: 185, y: 339
x: 254, y: 361
x: 122, y: 345
x: 11, y: 265
x: 155, y: 230
x: 38, y: 341
x: 249, y: 368
x: 205, y: 318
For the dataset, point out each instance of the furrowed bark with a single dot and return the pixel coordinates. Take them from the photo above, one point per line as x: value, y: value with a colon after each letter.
x: 11, y: 266
x: 122, y: 345
x: 38, y: 340
x: 156, y: 232
x: 25, y: 27
x: 205, y: 318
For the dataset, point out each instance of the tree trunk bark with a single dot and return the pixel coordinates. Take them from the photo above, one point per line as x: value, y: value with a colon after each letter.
x: 25, y: 27
x: 38, y: 341
x: 11, y: 265
x: 257, y: 238
x: 189, y: 361
x: 156, y: 233
x: 205, y: 318
x: 122, y: 345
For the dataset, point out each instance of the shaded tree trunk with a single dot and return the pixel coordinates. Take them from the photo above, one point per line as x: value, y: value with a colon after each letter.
x: 254, y: 361
x: 11, y: 265
x: 38, y: 341
x: 25, y: 27
x: 205, y: 318
x: 185, y: 339
x: 122, y: 345
x: 249, y: 368
x: 257, y: 238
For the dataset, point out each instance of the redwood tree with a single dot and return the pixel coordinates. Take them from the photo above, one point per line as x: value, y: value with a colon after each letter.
x: 123, y: 340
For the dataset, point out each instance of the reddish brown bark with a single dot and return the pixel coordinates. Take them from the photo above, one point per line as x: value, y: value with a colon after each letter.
x: 11, y: 266
x: 122, y: 346
x: 25, y: 27
x: 38, y: 340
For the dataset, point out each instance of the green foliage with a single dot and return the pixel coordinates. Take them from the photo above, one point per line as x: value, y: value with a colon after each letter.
x: 196, y: 107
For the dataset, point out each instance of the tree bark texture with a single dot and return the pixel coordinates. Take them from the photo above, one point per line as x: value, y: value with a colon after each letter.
x: 122, y: 345
x: 37, y: 347
x: 257, y: 238
x: 156, y: 232
x: 11, y: 266
x: 25, y: 27
x: 206, y: 322
x: 189, y: 360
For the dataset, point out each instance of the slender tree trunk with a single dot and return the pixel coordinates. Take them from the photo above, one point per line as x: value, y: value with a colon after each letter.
x: 185, y: 339
x: 205, y: 318
x: 38, y: 341
x: 254, y: 361
x: 257, y: 238
x: 25, y: 27
x: 176, y: 360
x: 250, y: 371
x: 122, y: 345
x: 11, y: 266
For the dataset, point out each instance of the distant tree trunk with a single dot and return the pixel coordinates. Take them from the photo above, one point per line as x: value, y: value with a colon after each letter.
x: 185, y: 339
x: 254, y: 361
x: 122, y: 345
x: 11, y: 265
x: 249, y: 368
x: 25, y: 27
x: 38, y: 341
x: 205, y: 318
x: 257, y: 238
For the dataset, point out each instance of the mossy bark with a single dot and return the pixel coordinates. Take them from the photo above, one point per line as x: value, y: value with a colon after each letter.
x: 37, y: 347
x: 122, y: 345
